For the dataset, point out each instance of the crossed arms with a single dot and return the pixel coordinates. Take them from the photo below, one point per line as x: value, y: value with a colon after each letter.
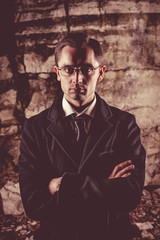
x: 120, y: 191
x: 121, y: 170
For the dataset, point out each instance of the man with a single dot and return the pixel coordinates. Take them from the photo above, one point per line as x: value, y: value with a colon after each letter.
x: 82, y: 162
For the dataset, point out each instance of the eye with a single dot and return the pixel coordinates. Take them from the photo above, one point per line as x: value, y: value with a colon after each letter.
x: 87, y: 70
x: 69, y: 70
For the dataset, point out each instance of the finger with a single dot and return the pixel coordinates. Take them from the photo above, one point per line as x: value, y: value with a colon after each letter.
x: 120, y: 166
x: 123, y: 164
x: 126, y: 175
x: 125, y: 170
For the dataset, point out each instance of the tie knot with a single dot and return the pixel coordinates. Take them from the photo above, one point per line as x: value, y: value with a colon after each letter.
x: 83, y: 117
x: 79, y: 123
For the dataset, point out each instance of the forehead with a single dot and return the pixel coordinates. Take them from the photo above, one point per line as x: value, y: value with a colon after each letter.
x: 73, y: 56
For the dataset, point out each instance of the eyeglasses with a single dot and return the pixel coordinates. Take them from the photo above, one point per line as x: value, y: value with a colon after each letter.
x: 86, y: 71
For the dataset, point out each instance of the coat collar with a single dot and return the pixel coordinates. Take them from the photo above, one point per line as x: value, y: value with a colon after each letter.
x: 56, y: 113
x: 104, y: 108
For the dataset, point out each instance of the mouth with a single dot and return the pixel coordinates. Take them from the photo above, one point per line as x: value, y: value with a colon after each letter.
x: 77, y: 90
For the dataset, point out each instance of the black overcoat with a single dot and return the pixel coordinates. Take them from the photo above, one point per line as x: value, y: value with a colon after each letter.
x: 88, y: 205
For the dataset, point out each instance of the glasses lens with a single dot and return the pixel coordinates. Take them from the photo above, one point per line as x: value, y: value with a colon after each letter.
x: 67, y: 71
x: 87, y: 71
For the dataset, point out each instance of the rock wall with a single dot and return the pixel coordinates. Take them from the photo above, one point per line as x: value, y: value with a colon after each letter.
x: 129, y: 32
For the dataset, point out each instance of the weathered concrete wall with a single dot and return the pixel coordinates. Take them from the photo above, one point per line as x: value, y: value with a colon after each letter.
x: 130, y: 35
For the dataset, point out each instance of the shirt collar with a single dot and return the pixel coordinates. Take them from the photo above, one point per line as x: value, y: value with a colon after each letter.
x: 68, y: 109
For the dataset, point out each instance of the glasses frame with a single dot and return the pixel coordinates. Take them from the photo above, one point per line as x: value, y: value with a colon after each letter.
x: 78, y: 70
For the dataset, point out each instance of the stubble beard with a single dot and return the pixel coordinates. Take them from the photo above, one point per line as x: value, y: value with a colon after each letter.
x: 78, y: 95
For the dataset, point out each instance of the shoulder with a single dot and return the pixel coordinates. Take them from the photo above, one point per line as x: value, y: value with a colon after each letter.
x: 125, y: 121
x: 44, y: 118
x: 121, y: 114
x: 114, y: 113
x: 122, y: 121
x: 40, y: 119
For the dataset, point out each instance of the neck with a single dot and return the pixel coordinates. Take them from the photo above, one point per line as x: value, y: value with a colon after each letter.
x: 79, y: 103
x: 81, y: 108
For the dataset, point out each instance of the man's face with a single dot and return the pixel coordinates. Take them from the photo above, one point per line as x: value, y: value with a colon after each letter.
x: 78, y: 88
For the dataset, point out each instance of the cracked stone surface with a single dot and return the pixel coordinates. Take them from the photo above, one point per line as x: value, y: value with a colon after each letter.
x: 11, y: 199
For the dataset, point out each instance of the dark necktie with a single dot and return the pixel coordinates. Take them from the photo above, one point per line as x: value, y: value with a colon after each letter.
x: 79, y: 125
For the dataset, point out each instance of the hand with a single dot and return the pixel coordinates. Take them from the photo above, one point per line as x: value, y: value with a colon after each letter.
x: 54, y: 185
x: 121, y: 170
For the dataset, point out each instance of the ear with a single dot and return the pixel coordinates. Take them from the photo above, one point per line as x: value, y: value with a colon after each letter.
x: 57, y: 72
x: 101, y: 73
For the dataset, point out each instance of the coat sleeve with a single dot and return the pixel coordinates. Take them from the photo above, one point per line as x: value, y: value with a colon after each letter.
x: 119, y: 194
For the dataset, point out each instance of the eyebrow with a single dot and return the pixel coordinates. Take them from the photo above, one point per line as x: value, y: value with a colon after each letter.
x: 72, y: 65
x: 67, y: 65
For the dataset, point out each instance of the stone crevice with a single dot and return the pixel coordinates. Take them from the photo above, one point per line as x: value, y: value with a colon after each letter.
x: 66, y: 7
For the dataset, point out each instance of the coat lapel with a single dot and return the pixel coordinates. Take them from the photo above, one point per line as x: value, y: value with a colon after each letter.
x: 57, y: 128
x: 58, y: 132
x: 101, y: 128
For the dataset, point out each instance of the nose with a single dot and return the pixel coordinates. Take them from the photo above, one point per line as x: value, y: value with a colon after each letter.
x: 77, y: 77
